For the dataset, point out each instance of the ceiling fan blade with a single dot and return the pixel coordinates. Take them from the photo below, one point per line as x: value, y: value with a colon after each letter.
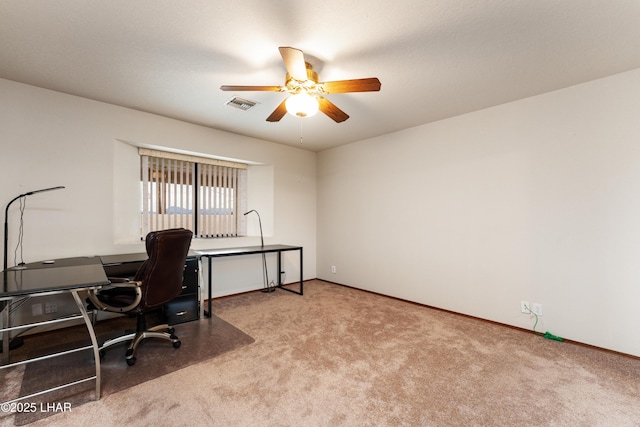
x: 331, y: 110
x: 371, y: 84
x: 253, y: 88
x: 294, y: 62
x: 278, y: 113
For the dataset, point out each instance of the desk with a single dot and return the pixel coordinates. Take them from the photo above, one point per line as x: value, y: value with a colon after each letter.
x: 69, y: 275
x: 251, y: 250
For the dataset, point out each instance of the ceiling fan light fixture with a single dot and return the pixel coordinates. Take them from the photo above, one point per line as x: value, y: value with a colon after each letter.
x: 302, y: 105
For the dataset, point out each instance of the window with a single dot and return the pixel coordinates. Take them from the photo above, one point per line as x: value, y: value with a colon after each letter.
x: 201, y: 194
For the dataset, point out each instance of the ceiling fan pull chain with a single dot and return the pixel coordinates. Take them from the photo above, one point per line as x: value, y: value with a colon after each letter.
x: 300, y: 120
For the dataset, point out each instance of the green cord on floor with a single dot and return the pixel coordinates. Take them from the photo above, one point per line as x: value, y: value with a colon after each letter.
x: 550, y: 336
x: 547, y: 335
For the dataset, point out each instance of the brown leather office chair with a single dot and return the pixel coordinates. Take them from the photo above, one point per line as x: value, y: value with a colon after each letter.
x: 157, y: 281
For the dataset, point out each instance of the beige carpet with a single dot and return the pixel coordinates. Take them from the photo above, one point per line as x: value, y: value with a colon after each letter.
x: 342, y: 357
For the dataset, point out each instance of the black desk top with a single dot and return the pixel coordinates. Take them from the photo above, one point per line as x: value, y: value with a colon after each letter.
x: 123, y: 258
x: 247, y: 250
x: 117, y: 259
x: 45, y: 276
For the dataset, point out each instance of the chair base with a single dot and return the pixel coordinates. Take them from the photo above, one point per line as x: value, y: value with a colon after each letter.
x: 137, y: 337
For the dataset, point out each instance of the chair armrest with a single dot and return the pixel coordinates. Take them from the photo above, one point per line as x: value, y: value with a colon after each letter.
x: 118, y: 279
x: 94, y: 297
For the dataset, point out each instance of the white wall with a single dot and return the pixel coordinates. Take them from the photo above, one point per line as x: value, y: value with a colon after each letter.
x: 535, y: 200
x: 49, y: 139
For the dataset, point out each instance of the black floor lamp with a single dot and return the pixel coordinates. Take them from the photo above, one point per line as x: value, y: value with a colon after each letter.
x: 267, y: 288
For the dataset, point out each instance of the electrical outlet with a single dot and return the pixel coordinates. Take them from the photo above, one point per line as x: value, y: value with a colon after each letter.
x: 36, y: 309
x: 537, y: 309
x: 333, y: 269
x: 524, y: 307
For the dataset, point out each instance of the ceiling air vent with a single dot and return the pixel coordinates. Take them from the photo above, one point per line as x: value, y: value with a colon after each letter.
x: 243, y: 104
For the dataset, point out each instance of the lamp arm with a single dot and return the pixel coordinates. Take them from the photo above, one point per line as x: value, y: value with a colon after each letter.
x: 260, y: 223
x: 6, y: 228
x: 264, y: 256
x: 6, y: 217
x: 261, y: 235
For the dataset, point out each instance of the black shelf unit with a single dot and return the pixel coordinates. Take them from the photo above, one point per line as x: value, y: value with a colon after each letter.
x: 186, y: 306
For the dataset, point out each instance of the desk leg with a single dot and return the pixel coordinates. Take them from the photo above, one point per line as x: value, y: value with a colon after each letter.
x: 279, y: 269
x: 279, y: 275
x: 209, y: 312
x: 6, y: 335
x: 94, y: 341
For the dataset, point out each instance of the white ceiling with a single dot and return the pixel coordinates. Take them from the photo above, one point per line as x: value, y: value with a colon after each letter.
x: 435, y: 58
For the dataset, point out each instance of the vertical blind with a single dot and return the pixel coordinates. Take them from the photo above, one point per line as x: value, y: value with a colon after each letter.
x: 204, y: 195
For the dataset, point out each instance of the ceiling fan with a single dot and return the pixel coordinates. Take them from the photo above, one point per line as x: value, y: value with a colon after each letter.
x: 306, y: 92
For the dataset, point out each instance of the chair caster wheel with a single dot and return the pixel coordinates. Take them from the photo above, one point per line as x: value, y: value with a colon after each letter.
x: 176, y: 344
x: 131, y: 359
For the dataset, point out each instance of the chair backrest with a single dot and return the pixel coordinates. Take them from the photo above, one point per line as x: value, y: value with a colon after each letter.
x: 161, y: 274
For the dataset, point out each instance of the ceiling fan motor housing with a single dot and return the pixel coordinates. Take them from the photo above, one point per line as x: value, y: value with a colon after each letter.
x: 310, y: 85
